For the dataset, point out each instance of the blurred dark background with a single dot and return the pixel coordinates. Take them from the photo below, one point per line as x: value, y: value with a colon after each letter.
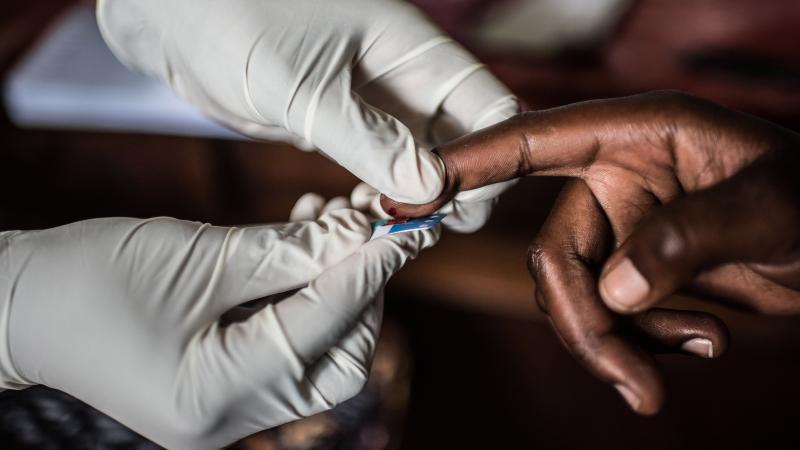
x: 485, y: 371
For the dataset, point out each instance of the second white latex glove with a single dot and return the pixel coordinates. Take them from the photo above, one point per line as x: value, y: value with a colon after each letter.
x: 371, y: 83
x: 125, y: 314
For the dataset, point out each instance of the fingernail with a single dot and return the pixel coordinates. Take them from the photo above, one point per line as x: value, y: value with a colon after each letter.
x: 632, y: 399
x: 392, y: 212
x: 700, y: 347
x: 624, y: 286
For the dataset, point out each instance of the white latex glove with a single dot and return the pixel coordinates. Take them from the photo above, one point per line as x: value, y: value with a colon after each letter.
x: 124, y: 314
x: 371, y: 83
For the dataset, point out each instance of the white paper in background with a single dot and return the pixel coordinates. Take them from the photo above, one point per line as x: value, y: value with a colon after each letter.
x: 72, y: 80
x: 547, y: 26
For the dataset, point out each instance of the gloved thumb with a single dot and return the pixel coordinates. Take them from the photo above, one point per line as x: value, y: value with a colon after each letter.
x: 742, y: 219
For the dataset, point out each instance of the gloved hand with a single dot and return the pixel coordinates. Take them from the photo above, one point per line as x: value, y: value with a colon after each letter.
x: 372, y: 84
x: 124, y: 314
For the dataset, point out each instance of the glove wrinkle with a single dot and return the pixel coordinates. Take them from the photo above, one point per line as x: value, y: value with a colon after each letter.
x: 362, y: 81
x: 327, y: 404
x: 226, y: 249
x: 403, y: 59
x: 10, y: 376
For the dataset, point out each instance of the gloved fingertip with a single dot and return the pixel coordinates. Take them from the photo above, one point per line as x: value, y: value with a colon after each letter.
x: 307, y: 207
x: 362, y: 196
x: 336, y: 203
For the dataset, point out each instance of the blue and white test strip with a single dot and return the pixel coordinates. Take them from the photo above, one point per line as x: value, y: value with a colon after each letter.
x: 394, y: 226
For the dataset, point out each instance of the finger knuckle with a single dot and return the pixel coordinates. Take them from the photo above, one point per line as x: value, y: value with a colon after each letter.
x: 539, y: 258
x: 584, y: 350
x: 540, y: 261
x: 678, y: 103
x: 669, y: 236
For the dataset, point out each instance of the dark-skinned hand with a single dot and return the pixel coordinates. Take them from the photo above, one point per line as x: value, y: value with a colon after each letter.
x: 671, y: 193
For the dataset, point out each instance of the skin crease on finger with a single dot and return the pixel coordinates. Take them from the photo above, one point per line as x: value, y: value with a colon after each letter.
x: 636, y: 154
